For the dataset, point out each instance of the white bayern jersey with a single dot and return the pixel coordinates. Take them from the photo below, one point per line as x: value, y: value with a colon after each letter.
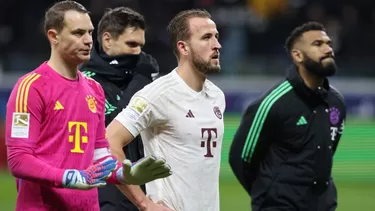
x: 186, y: 128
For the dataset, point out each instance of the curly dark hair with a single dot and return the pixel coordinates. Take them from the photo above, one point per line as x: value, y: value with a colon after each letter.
x: 298, y: 32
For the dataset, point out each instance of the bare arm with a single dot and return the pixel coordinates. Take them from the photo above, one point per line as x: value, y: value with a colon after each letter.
x: 137, y: 116
x: 118, y: 137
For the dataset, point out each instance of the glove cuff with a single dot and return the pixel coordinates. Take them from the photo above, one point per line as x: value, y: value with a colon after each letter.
x: 120, y: 176
x: 70, y: 177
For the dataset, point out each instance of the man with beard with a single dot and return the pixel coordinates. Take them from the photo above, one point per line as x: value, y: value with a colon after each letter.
x: 282, y: 152
x: 120, y: 67
x: 180, y: 116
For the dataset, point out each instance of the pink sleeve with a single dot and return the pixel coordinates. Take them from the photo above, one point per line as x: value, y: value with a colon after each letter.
x: 101, y: 137
x: 24, y: 114
x: 23, y: 120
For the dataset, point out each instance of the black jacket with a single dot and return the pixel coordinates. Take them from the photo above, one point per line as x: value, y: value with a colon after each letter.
x: 282, y: 152
x: 121, y: 77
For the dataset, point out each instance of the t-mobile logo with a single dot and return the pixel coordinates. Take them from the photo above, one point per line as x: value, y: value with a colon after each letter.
x: 207, y: 143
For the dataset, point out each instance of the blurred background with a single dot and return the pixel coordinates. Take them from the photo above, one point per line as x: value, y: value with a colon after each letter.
x: 252, y: 33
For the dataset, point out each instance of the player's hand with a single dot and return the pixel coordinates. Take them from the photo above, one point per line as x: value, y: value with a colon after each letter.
x: 145, y: 170
x: 92, y: 177
x: 152, y: 206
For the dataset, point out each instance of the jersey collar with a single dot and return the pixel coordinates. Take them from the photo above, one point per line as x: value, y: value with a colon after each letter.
x: 309, y: 94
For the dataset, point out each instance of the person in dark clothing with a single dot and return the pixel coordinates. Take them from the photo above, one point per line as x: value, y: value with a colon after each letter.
x: 282, y: 152
x: 122, y: 69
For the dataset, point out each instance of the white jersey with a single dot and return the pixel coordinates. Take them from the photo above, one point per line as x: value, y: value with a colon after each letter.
x: 186, y: 128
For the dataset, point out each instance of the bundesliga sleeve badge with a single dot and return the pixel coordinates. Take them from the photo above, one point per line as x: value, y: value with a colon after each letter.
x: 20, y: 125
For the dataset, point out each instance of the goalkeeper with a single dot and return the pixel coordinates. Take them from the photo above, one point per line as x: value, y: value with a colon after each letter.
x: 55, y: 131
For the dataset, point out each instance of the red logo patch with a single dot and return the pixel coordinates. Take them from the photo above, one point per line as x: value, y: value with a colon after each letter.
x: 218, y: 112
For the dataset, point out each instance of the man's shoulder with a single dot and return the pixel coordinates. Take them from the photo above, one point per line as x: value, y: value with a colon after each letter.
x: 93, y: 84
x: 33, y: 79
x: 211, y: 87
x: 29, y: 88
x: 159, y: 87
x: 274, y: 98
x: 90, y: 80
x: 108, y: 86
x: 337, y: 94
x: 277, y: 91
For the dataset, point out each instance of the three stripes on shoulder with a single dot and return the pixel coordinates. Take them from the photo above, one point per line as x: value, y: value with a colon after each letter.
x: 260, y: 117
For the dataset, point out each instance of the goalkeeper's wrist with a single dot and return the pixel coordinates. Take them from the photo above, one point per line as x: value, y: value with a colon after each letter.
x: 58, y: 175
x: 120, y: 176
x: 68, y: 176
x: 117, y: 176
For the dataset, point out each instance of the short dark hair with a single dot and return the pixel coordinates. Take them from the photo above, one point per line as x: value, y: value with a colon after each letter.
x: 115, y: 21
x: 55, y: 15
x: 299, y: 31
x: 178, y: 28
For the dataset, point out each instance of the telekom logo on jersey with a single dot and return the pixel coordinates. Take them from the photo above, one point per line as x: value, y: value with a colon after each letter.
x: 207, y: 134
x: 77, y: 128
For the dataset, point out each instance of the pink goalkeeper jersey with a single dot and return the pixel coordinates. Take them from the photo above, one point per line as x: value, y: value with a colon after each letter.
x: 60, y: 122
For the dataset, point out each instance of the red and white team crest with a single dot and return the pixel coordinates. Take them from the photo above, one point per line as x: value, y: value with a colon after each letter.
x: 218, y: 112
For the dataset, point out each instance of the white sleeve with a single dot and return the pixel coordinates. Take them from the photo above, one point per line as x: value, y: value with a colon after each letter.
x: 101, y: 153
x: 140, y: 114
x: 224, y: 102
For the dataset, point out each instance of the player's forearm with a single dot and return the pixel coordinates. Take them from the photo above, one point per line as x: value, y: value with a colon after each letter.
x: 116, y: 151
x: 117, y: 176
x: 240, y: 168
x: 116, y: 142
x: 24, y: 165
x: 235, y: 160
x: 118, y: 137
x: 135, y: 194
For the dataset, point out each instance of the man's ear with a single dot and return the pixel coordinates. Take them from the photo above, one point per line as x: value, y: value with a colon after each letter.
x: 297, y: 55
x: 53, y: 36
x: 182, y: 48
x: 107, y: 40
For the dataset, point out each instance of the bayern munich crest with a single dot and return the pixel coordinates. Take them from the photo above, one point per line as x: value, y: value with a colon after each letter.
x: 334, y: 115
x: 218, y: 112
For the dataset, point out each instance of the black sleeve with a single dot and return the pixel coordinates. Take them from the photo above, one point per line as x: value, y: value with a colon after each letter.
x: 136, y: 84
x: 342, y: 122
x: 250, y: 143
x: 144, y: 72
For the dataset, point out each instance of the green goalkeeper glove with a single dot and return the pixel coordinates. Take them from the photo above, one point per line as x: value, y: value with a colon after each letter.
x: 143, y: 171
